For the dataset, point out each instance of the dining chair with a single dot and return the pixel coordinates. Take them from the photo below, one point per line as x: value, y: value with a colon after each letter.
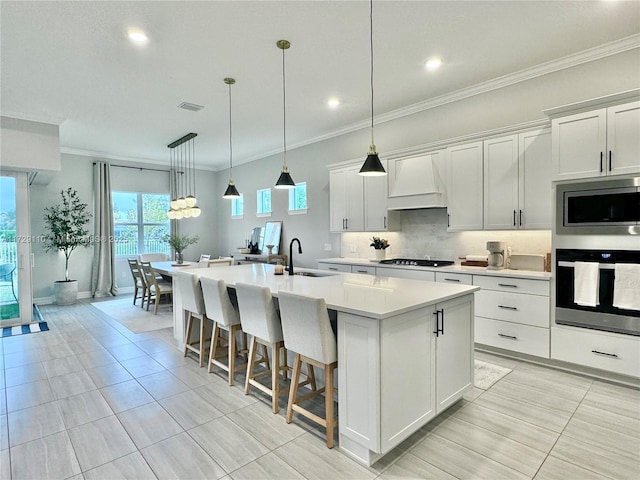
x: 155, y: 288
x: 306, y: 329
x: 139, y: 283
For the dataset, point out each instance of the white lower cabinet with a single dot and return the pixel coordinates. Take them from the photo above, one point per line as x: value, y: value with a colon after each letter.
x: 411, y: 274
x: 512, y: 336
x: 368, y: 270
x: 334, y: 267
x: 605, y: 351
x: 454, y: 278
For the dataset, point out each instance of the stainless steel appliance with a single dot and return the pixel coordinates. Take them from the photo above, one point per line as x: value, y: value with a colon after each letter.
x: 603, y: 207
x: 496, y: 257
x: 603, y: 316
x: 417, y: 262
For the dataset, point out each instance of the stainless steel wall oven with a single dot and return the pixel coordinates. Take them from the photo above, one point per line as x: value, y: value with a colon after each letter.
x: 602, y: 316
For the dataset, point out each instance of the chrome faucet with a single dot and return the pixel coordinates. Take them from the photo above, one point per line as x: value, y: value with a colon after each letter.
x: 291, y: 253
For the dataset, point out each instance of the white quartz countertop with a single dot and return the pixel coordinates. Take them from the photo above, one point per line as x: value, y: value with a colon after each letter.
x: 370, y: 296
x: 452, y: 268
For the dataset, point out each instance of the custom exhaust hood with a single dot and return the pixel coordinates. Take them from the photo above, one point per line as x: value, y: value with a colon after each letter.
x: 415, y: 182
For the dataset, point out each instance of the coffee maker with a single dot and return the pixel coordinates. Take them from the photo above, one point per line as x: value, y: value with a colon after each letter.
x: 496, y: 260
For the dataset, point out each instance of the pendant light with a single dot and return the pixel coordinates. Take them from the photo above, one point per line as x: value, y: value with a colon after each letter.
x: 232, y: 191
x: 285, y: 180
x: 182, y: 181
x: 372, y: 167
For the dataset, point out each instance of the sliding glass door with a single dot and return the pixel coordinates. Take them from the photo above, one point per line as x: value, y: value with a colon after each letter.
x: 15, y: 251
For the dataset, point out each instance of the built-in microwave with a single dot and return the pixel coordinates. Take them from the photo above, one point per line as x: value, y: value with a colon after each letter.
x: 604, y: 207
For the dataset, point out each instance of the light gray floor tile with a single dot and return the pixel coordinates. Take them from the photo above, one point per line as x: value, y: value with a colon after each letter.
x: 518, y: 430
x: 603, y: 437
x: 412, y: 467
x: 141, y: 366
x: 189, y: 409
x: 48, y: 457
x: 622, y: 406
x: 24, y: 374
x: 462, y: 462
x: 171, y: 359
x: 4, y: 432
x: 310, y: 455
x: 125, y: 395
x: 83, y: 408
x: 112, y: 340
x: 473, y: 394
x: 154, y: 345
x: 96, y: 358
x: 225, y: 398
x: 85, y: 346
x: 609, y: 420
x: 272, y: 430
x: 149, y: 424
x: 556, y: 469
x: 550, y: 385
x: 181, y: 457
x: 497, y: 360
x: 109, y: 375
x: 71, y: 384
x: 3, y: 401
x: 20, y: 358
x: 126, y: 352
x: 268, y: 466
x: 543, y: 417
x: 29, y: 395
x: 162, y: 384
x: 560, y: 376
x: 619, y: 391
x: 193, y: 375
x: 604, y: 462
x: 99, y: 442
x: 59, y: 350
x: 36, y: 422
x: 533, y: 396
x: 5, y: 464
x: 62, y: 366
x: 228, y: 444
x: 129, y: 467
x: 497, y: 447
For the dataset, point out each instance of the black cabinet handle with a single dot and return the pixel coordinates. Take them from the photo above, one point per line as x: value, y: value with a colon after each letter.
x: 452, y: 280
x: 601, y: 155
x: 442, y: 330
x: 609, y: 160
x: 346, y: 224
x: 520, y: 217
x: 507, y: 308
x: 448, y: 220
x: 507, y: 285
x: 439, y: 330
x: 333, y: 268
x: 604, y: 353
x: 385, y: 221
x: 510, y: 337
x: 514, y: 218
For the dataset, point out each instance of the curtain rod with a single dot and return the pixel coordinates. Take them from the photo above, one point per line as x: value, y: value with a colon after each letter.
x: 139, y: 168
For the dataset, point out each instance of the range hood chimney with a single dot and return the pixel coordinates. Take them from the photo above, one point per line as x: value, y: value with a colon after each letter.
x: 415, y: 182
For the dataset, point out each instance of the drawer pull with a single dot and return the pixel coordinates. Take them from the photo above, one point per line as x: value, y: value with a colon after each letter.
x: 507, y: 308
x: 507, y: 285
x: 452, y: 280
x: 361, y: 271
x: 332, y: 268
x: 510, y: 337
x: 604, y: 353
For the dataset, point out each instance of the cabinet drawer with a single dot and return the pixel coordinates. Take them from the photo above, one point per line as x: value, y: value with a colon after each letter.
x: 363, y: 269
x: 512, y: 336
x: 412, y: 274
x: 513, y: 307
x: 454, y: 278
x: 334, y: 267
x: 509, y: 284
x: 614, y: 353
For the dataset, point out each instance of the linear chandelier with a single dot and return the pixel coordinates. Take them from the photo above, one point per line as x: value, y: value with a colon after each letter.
x: 183, y: 179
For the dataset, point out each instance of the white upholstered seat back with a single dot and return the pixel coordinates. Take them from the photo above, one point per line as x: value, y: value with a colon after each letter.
x: 258, y: 314
x: 152, y: 257
x: 190, y: 291
x: 217, y: 302
x: 306, y: 327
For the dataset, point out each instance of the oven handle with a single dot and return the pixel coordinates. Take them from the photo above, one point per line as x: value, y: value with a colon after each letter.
x: 602, y: 266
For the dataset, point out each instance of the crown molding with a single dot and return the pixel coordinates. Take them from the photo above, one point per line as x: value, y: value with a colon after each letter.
x: 48, y: 119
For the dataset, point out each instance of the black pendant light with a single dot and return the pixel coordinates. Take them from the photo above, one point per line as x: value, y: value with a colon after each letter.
x: 285, y: 180
x: 372, y: 166
x: 231, y: 191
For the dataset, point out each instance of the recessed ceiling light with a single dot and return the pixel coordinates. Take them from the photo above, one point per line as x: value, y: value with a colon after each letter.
x: 333, y: 102
x: 433, y: 64
x: 137, y: 36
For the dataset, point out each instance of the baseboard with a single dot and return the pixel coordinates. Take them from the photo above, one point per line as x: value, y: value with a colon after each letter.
x: 50, y: 300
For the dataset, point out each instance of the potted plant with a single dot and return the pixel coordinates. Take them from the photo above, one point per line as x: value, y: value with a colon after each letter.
x: 66, y: 225
x: 380, y: 245
x: 180, y: 242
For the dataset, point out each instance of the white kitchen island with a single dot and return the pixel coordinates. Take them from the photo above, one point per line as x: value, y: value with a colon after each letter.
x: 405, y: 348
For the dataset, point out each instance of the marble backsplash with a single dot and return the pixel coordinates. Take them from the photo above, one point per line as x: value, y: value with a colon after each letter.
x: 424, y: 232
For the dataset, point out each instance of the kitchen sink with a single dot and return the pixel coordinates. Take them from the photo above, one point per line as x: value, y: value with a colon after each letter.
x: 314, y: 274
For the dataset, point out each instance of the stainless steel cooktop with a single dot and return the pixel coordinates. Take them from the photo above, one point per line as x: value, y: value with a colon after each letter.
x: 417, y: 262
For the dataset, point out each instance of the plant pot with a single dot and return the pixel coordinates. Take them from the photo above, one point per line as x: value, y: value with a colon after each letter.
x: 179, y: 258
x: 381, y: 254
x: 65, y: 293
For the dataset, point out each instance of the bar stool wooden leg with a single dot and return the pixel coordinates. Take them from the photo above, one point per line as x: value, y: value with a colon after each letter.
x: 202, y: 333
x: 251, y: 361
x: 188, y: 335
x: 231, y: 359
x: 328, y: 403
x: 275, y: 377
x: 293, y: 389
x: 312, y: 377
x: 214, y: 345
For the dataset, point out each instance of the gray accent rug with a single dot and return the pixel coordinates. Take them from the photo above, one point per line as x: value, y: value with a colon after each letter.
x: 133, y: 317
x: 486, y: 374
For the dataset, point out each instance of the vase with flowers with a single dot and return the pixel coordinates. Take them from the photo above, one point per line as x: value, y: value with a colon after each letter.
x: 380, y: 245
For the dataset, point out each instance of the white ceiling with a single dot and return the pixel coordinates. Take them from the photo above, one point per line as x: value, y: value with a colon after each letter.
x: 72, y: 60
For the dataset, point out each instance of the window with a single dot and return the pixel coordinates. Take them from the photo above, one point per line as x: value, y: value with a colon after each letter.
x: 141, y: 223
x: 264, y: 202
x: 237, y: 207
x: 298, y: 198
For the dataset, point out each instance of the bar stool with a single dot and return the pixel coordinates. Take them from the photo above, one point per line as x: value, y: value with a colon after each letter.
x: 190, y: 291
x: 260, y: 319
x: 307, y: 331
x: 219, y: 308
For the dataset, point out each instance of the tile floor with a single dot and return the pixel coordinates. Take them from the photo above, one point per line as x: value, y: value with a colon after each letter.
x: 91, y: 400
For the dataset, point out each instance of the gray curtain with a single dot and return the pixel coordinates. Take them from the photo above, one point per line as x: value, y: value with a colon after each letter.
x: 103, y: 269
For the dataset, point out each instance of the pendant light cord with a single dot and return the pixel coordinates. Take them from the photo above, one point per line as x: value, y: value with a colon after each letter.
x: 284, y: 112
x: 371, y: 46
x: 230, y: 144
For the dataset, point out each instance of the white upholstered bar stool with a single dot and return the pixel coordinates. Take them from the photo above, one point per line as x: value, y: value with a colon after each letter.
x: 306, y: 329
x: 260, y: 319
x: 219, y: 308
x: 190, y: 291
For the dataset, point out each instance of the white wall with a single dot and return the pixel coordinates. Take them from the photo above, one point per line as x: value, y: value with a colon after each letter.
x: 29, y: 145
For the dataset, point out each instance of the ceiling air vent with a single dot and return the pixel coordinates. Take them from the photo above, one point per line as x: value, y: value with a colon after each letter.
x: 190, y: 106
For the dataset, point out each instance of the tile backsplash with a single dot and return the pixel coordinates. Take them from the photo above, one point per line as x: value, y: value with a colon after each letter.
x: 424, y: 232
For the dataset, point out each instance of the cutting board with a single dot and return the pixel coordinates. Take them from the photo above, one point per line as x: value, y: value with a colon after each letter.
x: 527, y: 262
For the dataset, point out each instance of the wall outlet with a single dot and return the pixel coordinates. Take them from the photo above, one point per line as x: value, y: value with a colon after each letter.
x: 352, y: 248
x: 327, y: 247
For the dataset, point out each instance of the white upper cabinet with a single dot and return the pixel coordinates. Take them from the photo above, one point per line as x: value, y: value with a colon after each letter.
x: 375, y: 204
x: 535, y: 194
x: 346, y: 190
x: 597, y: 143
x: 464, y: 187
x: 501, y: 183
